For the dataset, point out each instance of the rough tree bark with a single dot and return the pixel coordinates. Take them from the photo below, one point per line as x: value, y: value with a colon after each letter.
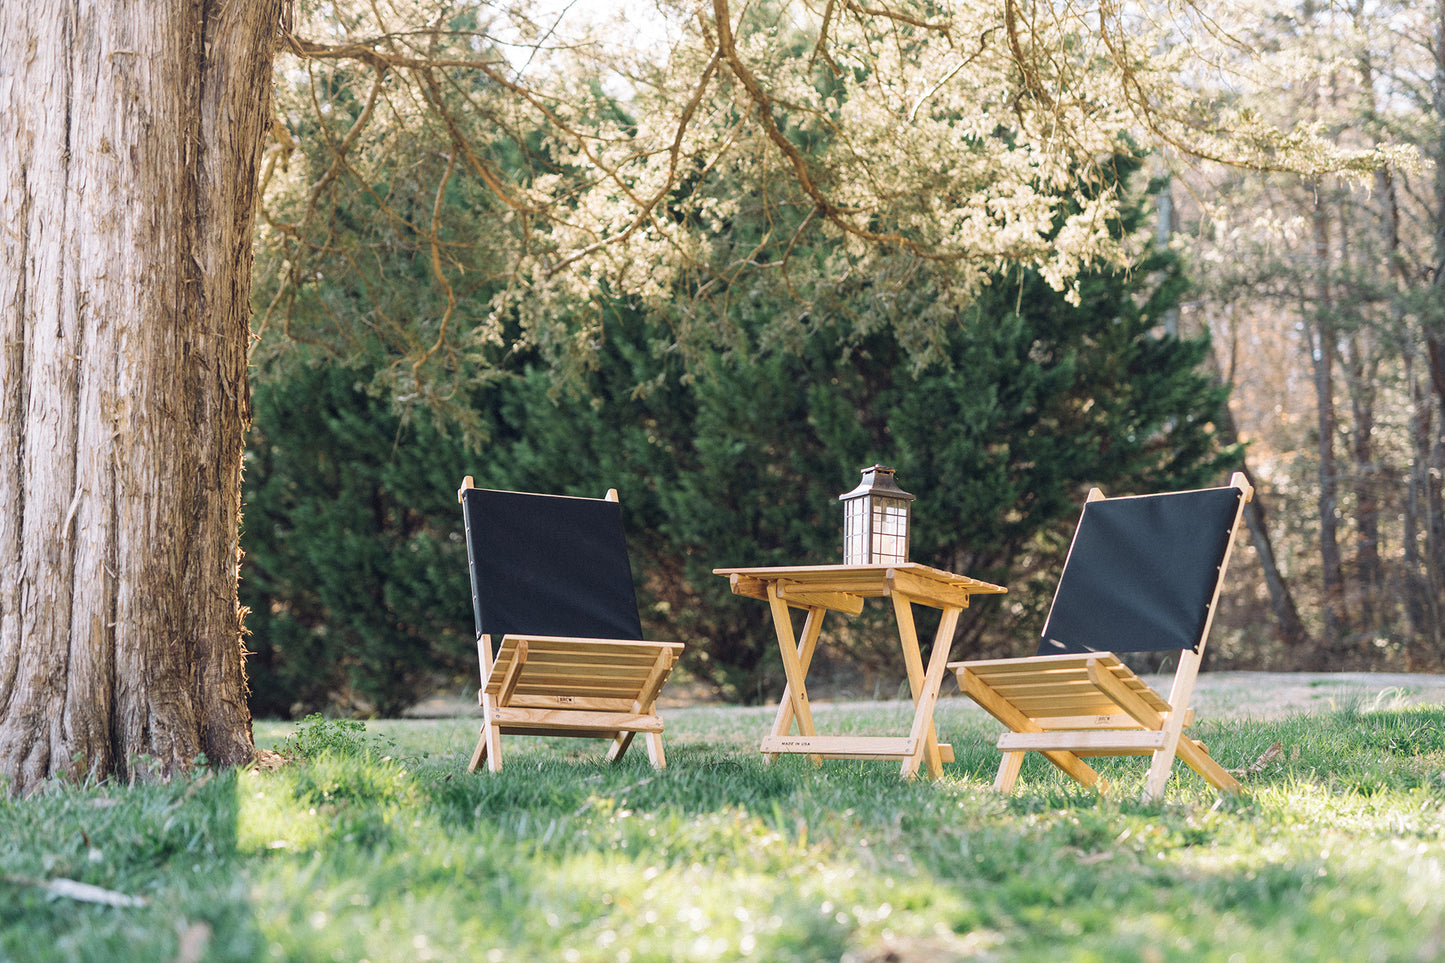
x: 127, y: 172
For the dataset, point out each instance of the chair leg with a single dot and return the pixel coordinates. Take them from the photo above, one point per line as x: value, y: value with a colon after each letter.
x: 494, y: 748
x: 654, y: 750
x: 1198, y: 758
x: 1173, y: 728
x: 1159, y: 771
x: 489, y: 750
x: 1008, y: 772
x: 479, y: 753
x: 620, y: 742
x: 490, y: 746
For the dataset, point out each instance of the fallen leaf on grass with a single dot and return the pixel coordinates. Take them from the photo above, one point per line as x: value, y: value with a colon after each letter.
x: 192, y: 789
x: 976, y: 945
x: 194, y: 940
x: 62, y: 888
x: 1259, y: 765
x: 268, y: 761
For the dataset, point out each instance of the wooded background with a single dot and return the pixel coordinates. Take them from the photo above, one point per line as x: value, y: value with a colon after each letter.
x: 553, y: 250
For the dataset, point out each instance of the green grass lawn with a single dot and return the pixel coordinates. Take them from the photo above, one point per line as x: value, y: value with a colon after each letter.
x: 376, y: 845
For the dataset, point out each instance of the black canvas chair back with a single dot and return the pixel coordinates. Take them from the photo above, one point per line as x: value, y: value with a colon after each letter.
x: 1143, y: 573
x: 559, y: 641
x: 548, y: 565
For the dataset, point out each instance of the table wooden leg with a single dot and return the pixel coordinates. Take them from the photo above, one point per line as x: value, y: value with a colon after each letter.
x: 812, y: 627
x: 913, y: 662
x: 796, y: 693
x: 924, y: 684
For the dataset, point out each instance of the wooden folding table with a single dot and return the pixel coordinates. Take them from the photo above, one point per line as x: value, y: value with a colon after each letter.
x: 818, y: 589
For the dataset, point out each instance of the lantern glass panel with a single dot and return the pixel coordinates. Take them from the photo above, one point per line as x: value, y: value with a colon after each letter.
x: 890, y: 530
x: 855, y: 532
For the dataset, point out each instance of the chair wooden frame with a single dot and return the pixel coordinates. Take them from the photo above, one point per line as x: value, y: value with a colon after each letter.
x: 570, y: 686
x: 1072, y: 706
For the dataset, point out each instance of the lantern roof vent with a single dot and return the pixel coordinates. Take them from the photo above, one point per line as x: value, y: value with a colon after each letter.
x: 878, y: 481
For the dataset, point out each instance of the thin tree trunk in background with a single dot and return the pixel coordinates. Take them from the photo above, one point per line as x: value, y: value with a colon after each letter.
x: 128, y: 182
x: 1435, y: 334
x: 1362, y: 371
x: 1289, y: 627
x: 1363, y: 364
x: 1422, y: 601
x: 1360, y: 367
x: 1322, y: 353
x: 1423, y: 591
x: 1422, y: 604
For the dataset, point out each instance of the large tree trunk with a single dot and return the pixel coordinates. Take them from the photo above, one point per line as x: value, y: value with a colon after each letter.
x: 127, y: 172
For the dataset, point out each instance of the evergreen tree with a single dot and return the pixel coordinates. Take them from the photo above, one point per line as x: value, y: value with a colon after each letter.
x: 735, y: 455
x: 355, y: 571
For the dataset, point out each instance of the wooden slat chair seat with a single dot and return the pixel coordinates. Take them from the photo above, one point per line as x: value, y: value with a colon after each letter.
x: 1061, y: 690
x: 551, y: 580
x: 1143, y: 574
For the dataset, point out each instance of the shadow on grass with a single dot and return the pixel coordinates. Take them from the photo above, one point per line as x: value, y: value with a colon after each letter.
x: 169, y: 851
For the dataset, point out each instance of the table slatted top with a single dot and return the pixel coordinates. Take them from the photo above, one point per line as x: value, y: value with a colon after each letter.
x: 916, y: 580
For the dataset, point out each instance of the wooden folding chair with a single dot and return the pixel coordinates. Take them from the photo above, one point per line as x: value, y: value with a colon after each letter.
x: 1143, y: 574
x: 551, y: 579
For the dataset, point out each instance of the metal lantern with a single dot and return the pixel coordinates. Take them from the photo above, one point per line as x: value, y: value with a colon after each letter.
x: 875, y: 520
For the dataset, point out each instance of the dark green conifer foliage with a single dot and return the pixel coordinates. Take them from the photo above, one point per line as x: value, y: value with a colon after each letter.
x: 355, y: 572
x: 735, y: 456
